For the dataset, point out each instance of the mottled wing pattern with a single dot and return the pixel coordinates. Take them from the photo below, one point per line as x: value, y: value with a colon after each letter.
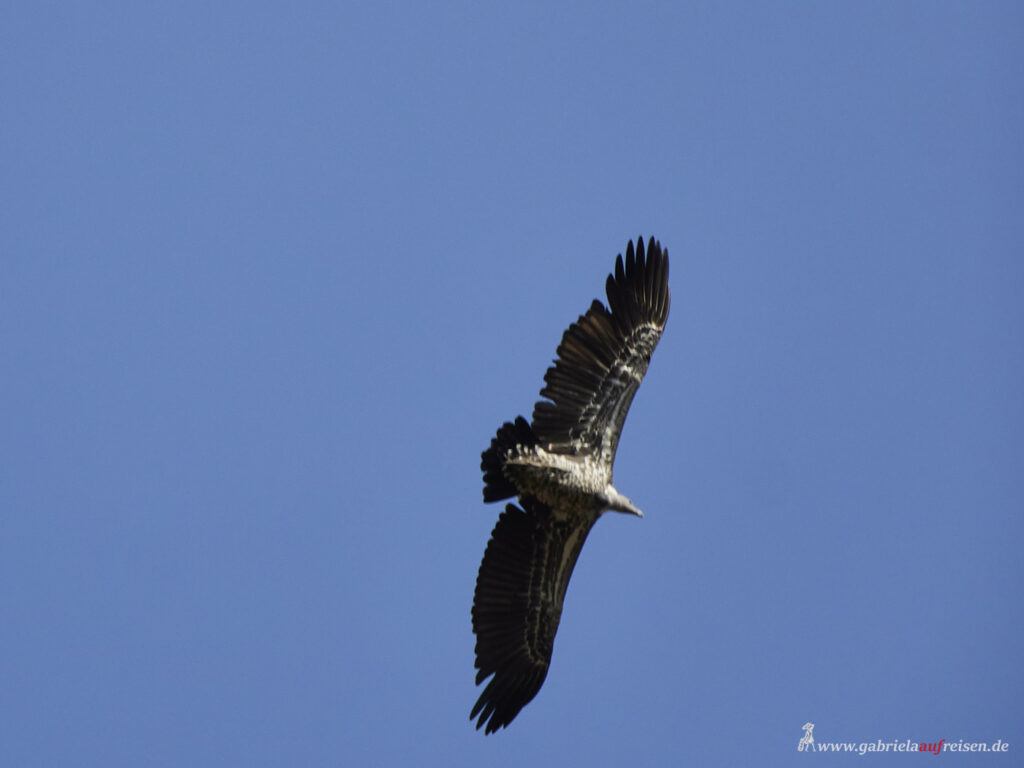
x: 603, y: 358
x: 518, y: 603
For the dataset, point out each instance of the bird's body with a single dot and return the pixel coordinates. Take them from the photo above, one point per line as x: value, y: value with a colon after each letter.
x: 560, y: 468
x: 567, y: 484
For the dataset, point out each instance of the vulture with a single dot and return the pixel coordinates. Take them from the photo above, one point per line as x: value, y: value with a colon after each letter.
x: 559, y: 465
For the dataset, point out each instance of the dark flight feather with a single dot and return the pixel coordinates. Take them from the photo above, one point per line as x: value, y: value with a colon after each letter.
x: 603, y: 358
x: 518, y: 604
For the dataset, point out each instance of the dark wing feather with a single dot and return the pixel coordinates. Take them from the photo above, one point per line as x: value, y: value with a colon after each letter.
x: 603, y: 358
x: 518, y: 603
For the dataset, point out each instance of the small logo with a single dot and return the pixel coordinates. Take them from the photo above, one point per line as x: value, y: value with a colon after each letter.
x: 807, y: 741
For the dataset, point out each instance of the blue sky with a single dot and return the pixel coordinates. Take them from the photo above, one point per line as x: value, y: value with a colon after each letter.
x: 271, y: 276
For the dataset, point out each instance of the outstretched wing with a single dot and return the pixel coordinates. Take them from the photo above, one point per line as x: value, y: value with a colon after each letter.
x: 603, y: 358
x: 518, y: 603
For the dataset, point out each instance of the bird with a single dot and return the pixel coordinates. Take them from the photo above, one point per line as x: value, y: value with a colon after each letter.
x: 559, y: 466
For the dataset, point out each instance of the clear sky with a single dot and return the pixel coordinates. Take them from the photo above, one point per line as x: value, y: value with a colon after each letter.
x: 271, y: 276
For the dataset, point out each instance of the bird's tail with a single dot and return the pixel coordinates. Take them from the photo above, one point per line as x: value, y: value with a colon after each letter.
x: 510, y: 438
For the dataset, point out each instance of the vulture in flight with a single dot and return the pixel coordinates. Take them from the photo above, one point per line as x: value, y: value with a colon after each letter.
x: 559, y: 465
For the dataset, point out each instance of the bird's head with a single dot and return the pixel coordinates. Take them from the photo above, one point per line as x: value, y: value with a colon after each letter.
x: 616, y: 502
